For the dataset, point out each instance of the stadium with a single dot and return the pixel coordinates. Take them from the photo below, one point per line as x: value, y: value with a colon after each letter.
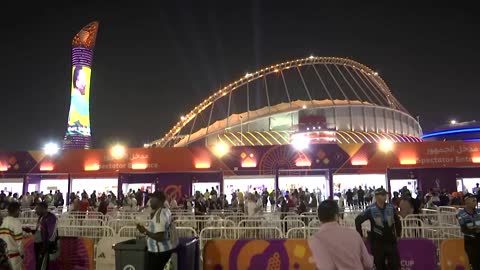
x: 323, y: 99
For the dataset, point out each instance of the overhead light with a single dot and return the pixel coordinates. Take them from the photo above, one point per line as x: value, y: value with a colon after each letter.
x: 359, y: 162
x: 118, y: 151
x: 51, y: 149
x: 202, y: 165
x: 92, y: 167
x: 221, y: 149
x: 3, y: 167
x: 300, y: 141
x: 408, y: 161
x: 303, y: 163
x: 182, y: 117
x: 453, y: 122
x: 386, y: 145
x: 304, y: 106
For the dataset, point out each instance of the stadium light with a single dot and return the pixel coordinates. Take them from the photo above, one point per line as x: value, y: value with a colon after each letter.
x: 51, y: 149
x: 118, y: 151
x: 386, y: 145
x: 221, y: 149
x: 453, y: 122
x: 300, y: 141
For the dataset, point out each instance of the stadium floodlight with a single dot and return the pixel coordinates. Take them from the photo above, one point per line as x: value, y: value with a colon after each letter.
x: 300, y: 141
x: 453, y: 122
x: 386, y: 145
x: 51, y: 149
x: 118, y: 151
x: 221, y: 149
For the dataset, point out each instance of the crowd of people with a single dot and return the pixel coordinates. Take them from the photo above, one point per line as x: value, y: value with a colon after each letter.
x: 371, y: 203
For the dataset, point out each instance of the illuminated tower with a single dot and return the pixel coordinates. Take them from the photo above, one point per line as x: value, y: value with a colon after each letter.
x: 78, y: 132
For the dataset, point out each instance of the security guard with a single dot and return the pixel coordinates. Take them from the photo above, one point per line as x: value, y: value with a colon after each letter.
x: 385, y: 228
x: 469, y: 220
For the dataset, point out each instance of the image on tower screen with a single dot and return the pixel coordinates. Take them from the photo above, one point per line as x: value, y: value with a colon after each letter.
x: 79, y: 116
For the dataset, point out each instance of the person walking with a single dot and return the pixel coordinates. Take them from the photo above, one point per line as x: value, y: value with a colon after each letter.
x: 386, y: 227
x: 469, y: 220
x: 335, y: 247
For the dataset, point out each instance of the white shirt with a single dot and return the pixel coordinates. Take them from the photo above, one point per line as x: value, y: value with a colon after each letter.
x: 11, y: 232
x: 160, y: 222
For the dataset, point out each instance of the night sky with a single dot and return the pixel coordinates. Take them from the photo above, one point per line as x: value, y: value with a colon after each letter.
x: 154, y: 63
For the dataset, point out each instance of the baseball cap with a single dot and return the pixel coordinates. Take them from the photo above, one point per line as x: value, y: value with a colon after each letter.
x: 380, y: 191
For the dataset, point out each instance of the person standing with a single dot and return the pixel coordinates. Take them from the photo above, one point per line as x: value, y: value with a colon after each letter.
x: 385, y: 228
x: 361, y: 197
x: 11, y: 232
x: 335, y: 247
x: 349, y: 195
x: 469, y: 220
x: 46, y: 237
x: 161, y: 239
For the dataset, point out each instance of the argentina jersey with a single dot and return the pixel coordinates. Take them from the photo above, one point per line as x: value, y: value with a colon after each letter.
x: 160, y: 222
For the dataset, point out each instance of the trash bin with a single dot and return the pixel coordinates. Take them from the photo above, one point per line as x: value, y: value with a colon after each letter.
x: 131, y: 254
x: 188, y: 254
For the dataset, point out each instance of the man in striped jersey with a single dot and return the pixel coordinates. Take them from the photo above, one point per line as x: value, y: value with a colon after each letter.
x: 11, y: 232
x: 160, y: 233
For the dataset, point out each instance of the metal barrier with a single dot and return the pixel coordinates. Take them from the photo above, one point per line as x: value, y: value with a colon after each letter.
x: 67, y: 221
x: 132, y: 232
x: 199, y: 224
x: 93, y: 232
x: 305, y: 232
x: 117, y: 224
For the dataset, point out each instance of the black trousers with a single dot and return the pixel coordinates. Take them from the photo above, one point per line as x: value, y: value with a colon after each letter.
x: 158, y: 260
x: 385, y: 256
x: 472, y: 248
x: 40, y: 256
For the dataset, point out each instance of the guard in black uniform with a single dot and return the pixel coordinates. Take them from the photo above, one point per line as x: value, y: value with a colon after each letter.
x: 385, y: 228
x: 469, y: 220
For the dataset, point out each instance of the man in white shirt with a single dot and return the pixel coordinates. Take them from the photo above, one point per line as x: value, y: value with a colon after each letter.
x: 11, y: 232
x: 160, y: 233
